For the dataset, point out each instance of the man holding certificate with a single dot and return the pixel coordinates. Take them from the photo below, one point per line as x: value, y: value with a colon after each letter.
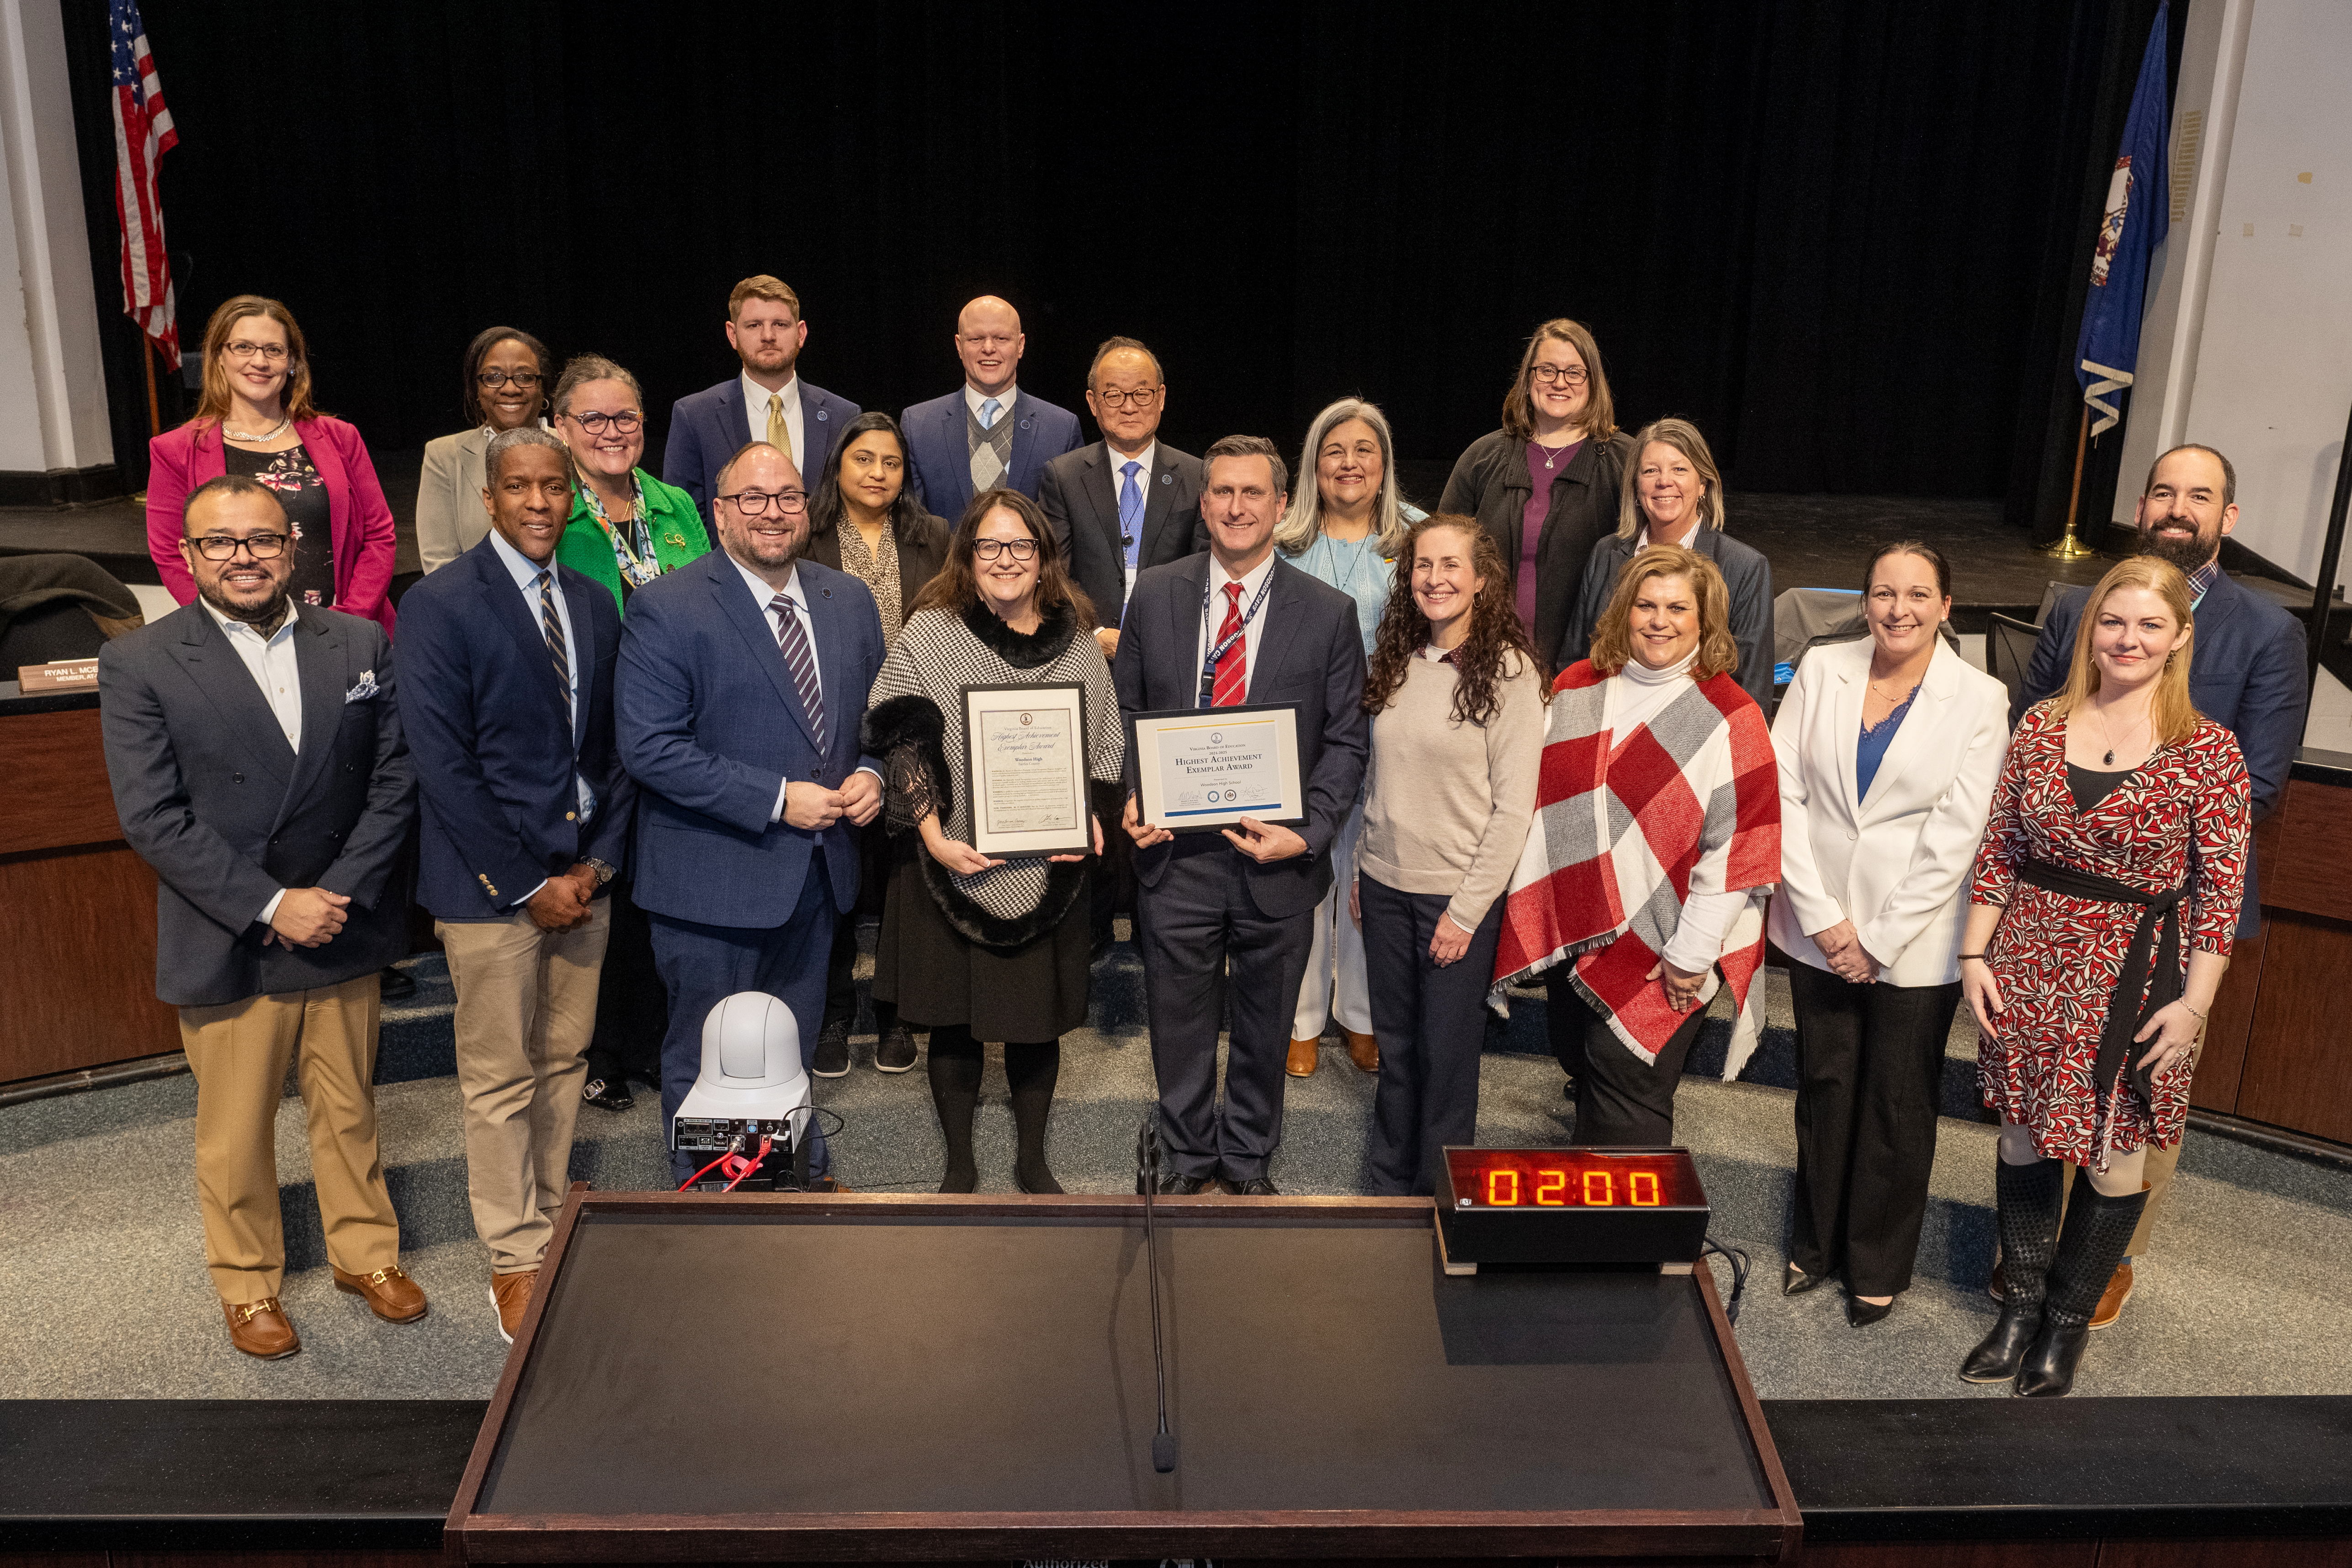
x: 1233, y: 814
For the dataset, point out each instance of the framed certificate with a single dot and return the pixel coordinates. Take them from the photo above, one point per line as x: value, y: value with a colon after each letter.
x: 1027, y: 751
x: 1201, y: 768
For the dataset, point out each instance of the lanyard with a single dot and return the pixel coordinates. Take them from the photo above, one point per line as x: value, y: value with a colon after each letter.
x: 1209, y: 664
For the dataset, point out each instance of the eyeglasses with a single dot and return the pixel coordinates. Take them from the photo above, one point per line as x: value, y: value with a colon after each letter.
x: 625, y: 424
x: 1139, y: 401
x: 754, y: 503
x: 1019, y: 549
x: 221, y: 547
x: 494, y: 379
x: 1551, y: 374
x: 273, y: 352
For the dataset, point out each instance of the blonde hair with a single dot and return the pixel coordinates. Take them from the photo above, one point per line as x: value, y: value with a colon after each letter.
x: 212, y: 405
x: 2172, y: 713
x: 1684, y: 437
x: 1303, y: 524
x: 760, y: 286
x: 1599, y: 408
x: 1612, y: 640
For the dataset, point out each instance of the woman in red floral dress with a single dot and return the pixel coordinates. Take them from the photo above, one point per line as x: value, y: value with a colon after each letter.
x: 2105, y: 893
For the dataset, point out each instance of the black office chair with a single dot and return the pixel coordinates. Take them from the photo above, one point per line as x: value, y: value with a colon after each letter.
x: 59, y: 607
x: 2008, y: 650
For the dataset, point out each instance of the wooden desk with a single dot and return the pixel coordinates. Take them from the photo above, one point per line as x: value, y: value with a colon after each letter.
x: 77, y: 906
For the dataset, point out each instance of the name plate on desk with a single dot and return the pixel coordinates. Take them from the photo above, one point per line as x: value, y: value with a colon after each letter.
x: 65, y: 677
x: 1027, y: 748
x: 1199, y: 769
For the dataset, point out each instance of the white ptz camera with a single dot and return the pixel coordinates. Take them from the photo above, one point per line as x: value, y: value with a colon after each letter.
x: 751, y: 1087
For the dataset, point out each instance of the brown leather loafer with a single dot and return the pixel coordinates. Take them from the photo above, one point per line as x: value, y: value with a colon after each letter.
x: 1304, y: 1056
x: 389, y: 1293
x: 259, y: 1329
x: 510, y: 1294
x: 2112, y: 1299
x: 1364, y: 1050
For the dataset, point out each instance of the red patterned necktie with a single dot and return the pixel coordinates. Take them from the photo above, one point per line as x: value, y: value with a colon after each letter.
x: 1232, y: 670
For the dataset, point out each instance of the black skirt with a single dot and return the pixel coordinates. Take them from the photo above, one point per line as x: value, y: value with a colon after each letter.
x: 938, y: 976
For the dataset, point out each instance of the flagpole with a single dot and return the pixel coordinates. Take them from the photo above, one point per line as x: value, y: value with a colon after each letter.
x: 2068, y: 547
x: 154, y: 409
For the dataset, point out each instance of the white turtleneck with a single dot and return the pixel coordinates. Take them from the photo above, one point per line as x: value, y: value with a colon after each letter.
x: 1637, y: 695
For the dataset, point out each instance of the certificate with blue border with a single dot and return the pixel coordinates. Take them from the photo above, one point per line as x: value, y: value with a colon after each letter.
x: 1200, y: 769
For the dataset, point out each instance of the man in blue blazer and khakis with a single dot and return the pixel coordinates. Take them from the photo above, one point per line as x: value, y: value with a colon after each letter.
x: 2247, y: 671
x: 506, y: 697
x: 767, y: 401
x: 991, y: 433
x: 742, y: 687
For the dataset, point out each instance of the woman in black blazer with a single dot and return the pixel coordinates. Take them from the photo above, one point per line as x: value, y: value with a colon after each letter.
x: 863, y: 519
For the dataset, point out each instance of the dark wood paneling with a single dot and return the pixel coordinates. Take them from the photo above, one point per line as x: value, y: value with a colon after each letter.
x: 54, y: 767
x: 77, y: 928
x: 2221, y: 1062
x: 2298, y: 1070
x: 2270, y: 1554
x: 1951, y: 1554
x: 316, y: 1558
x: 2303, y: 868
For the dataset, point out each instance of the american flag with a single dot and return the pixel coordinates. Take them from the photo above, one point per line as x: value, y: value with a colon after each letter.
x: 142, y: 134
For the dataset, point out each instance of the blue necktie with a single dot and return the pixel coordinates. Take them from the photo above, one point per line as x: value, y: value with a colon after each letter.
x: 988, y: 413
x: 1130, y: 511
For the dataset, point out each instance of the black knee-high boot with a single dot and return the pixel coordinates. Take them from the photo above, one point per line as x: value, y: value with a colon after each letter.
x: 956, y: 1063
x: 2028, y: 1197
x: 1031, y: 1071
x: 2098, y: 1229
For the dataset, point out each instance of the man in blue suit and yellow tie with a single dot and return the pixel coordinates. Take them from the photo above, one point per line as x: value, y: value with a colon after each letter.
x: 741, y: 689
x: 991, y: 433
x: 767, y: 401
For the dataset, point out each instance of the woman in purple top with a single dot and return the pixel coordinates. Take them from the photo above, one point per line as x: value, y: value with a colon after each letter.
x: 1545, y: 484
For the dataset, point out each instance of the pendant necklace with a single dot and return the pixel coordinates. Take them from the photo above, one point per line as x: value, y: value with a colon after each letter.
x: 1552, y: 453
x: 2109, y: 759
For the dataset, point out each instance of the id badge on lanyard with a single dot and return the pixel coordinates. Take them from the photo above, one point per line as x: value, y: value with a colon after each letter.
x: 1209, y: 664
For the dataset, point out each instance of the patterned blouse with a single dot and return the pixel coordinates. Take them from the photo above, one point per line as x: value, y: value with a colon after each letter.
x: 310, y: 514
x: 881, y: 575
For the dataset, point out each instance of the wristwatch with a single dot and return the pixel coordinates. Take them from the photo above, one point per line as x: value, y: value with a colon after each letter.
x: 604, y: 873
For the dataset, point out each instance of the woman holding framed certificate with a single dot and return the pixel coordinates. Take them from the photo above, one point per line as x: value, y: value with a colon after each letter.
x: 1457, y: 704
x: 992, y: 712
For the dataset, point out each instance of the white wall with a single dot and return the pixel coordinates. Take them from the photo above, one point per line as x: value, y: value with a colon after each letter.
x: 52, y: 383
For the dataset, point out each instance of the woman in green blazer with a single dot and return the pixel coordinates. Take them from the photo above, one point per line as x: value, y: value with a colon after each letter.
x: 627, y: 527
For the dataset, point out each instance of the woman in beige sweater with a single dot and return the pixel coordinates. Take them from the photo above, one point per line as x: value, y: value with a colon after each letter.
x: 1457, y: 707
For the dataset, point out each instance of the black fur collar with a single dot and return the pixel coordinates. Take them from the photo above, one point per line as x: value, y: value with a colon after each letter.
x: 1055, y: 628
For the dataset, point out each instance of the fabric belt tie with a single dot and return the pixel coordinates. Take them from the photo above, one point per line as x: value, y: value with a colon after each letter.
x: 2160, y: 920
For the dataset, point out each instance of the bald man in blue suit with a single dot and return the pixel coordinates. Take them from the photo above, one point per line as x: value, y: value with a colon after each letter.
x: 991, y: 432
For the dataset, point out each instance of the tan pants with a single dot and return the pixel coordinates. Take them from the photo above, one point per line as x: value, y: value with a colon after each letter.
x: 239, y: 1053
x: 526, y: 1009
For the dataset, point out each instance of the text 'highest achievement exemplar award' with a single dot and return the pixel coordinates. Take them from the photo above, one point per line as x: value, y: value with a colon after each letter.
x: 1209, y: 767
x: 1027, y: 748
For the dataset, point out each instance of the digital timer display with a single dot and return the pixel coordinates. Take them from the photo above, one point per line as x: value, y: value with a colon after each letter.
x: 1570, y: 1205
x: 1573, y: 1178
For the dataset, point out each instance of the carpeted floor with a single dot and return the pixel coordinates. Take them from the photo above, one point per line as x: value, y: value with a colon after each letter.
x: 101, y: 1253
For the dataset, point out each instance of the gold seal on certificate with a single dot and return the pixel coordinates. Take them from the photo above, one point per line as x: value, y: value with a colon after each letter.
x: 1027, y: 748
x: 1200, y: 768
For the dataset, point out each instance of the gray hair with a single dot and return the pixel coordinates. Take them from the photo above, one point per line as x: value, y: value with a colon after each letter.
x: 505, y: 441
x: 1303, y: 523
x: 1248, y: 447
x: 582, y: 368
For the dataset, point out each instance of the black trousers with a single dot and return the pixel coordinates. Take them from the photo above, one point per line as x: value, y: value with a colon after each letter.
x: 874, y: 865
x: 1620, y: 1099
x: 632, y: 1003
x: 1870, y: 1068
x: 1431, y: 1023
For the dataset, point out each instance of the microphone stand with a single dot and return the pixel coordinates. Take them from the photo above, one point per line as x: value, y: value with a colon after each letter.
x: 1146, y: 1150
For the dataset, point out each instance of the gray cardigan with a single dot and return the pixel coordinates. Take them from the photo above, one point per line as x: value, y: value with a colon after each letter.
x: 1746, y: 573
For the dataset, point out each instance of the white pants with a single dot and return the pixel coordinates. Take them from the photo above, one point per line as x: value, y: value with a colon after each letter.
x: 1337, y: 941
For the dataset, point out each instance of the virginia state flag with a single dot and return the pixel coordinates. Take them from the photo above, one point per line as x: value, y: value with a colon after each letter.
x: 2134, y: 227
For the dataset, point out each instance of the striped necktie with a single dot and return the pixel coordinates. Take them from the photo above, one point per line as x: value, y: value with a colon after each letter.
x: 1232, y: 670
x: 800, y: 659
x: 551, y: 624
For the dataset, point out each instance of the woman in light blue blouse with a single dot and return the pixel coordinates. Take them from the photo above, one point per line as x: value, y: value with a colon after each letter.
x: 1344, y: 529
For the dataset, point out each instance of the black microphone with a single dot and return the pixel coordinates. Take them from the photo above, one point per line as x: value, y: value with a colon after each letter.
x: 1147, y: 1171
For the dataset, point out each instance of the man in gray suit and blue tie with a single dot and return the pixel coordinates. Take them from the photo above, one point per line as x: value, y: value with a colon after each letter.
x: 991, y: 433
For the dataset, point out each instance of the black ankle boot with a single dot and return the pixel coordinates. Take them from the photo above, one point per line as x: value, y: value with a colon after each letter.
x: 2098, y: 1229
x: 2028, y: 1197
x: 1031, y: 1071
x: 955, y: 1092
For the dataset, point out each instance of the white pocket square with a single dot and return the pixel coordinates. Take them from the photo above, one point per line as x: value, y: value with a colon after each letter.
x: 363, y: 690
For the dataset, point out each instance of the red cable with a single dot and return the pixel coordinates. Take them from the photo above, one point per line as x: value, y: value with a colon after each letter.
x: 752, y: 1165
x: 705, y: 1171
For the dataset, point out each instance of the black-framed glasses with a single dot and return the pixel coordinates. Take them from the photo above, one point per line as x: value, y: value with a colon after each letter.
x: 754, y: 503
x: 221, y: 547
x: 1552, y: 374
x: 494, y: 379
x: 1138, y: 400
x: 627, y: 423
x: 273, y: 352
x: 1019, y: 549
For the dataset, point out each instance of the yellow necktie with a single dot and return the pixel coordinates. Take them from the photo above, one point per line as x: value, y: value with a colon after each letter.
x: 779, y: 435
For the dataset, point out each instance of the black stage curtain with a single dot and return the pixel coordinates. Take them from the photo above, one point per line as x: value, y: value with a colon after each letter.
x: 1830, y: 232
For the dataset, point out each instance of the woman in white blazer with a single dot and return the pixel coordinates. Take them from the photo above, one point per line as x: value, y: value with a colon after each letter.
x: 506, y: 376
x: 1889, y: 748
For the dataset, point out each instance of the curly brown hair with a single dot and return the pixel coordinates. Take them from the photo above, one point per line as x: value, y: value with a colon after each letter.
x: 1481, y: 663
x: 956, y: 588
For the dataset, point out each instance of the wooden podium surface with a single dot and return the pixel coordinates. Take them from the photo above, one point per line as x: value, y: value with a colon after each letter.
x: 77, y: 906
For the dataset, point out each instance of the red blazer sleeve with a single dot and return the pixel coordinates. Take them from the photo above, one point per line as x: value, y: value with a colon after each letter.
x: 172, y: 461
x: 360, y: 520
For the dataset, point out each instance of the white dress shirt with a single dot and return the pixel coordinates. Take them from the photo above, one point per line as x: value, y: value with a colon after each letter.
x: 272, y: 665
x: 755, y: 409
x: 525, y: 573
x: 800, y: 610
x: 1213, y: 617
x: 973, y: 397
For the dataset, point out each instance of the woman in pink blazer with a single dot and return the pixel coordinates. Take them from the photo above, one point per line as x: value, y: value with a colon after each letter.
x: 256, y: 418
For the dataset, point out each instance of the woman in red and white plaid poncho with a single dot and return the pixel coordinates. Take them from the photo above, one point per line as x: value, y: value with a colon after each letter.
x: 1655, y: 843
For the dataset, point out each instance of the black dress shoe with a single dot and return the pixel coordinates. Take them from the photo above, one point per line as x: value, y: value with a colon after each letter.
x: 1256, y: 1187
x: 1862, y: 1313
x: 396, y: 986
x: 1173, y: 1185
x: 1795, y: 1281
x: 895, y: 1051
x: 831, y: 1052
x: 610, y: 1094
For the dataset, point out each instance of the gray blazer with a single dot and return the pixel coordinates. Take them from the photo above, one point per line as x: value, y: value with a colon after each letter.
x: 1746, y: 573
x: 449, y: 516
x: 212, y: 798
x: 1079, y: 494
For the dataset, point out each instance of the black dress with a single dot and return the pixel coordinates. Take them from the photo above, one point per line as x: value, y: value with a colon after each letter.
x: 309, y: 515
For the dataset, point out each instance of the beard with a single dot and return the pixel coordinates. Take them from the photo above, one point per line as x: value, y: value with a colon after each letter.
x: 2186, y: 554
x: 266, y: 615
